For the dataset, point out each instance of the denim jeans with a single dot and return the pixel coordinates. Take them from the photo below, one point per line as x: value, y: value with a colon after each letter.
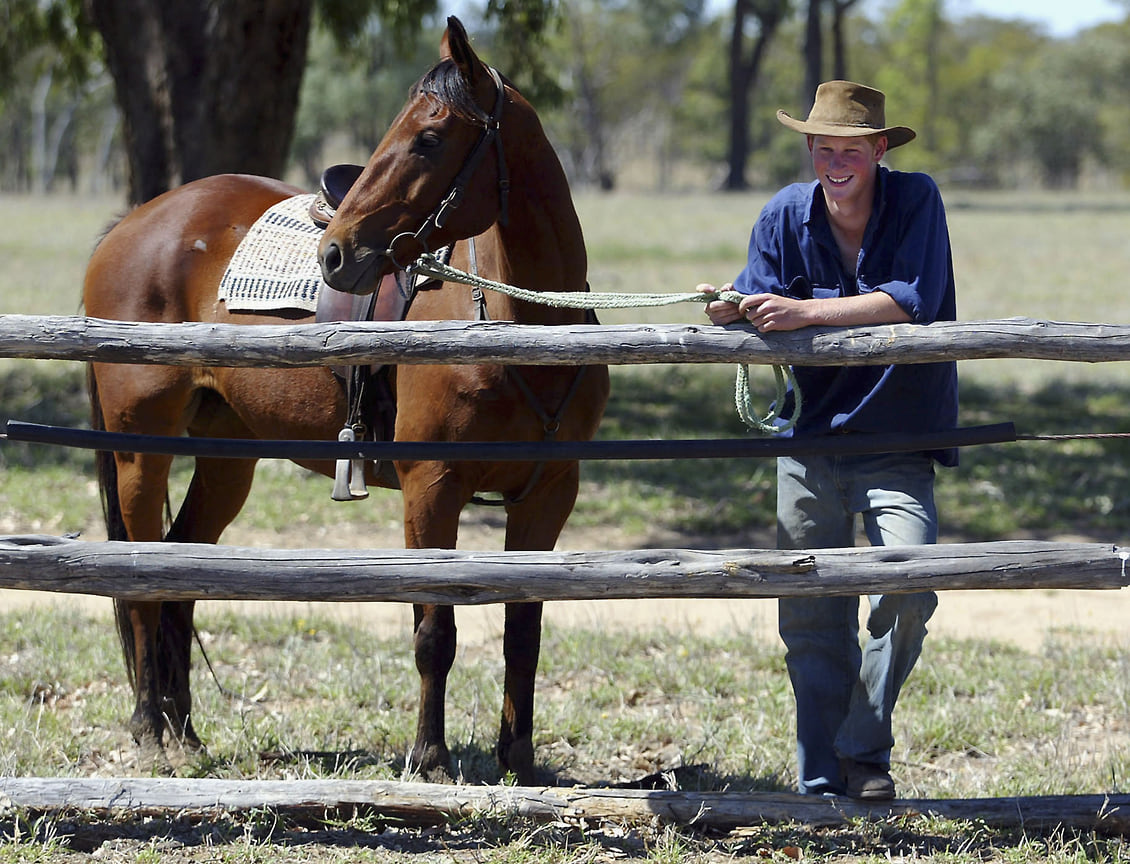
x: 845, y: 695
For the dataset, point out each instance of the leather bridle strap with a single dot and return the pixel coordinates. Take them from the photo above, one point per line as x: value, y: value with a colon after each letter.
x: 492, y: 134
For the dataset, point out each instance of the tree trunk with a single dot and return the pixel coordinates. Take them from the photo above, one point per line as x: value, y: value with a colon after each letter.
x: 738, y: 150
x: 813, y: 52
x: 744, y: 72
x: 840, y: 10
x: 204, y: 87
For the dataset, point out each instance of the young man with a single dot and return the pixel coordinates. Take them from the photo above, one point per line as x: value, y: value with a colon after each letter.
x: 860, y: 245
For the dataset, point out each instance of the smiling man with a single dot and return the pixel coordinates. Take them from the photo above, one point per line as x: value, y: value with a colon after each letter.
x: 860, y: 245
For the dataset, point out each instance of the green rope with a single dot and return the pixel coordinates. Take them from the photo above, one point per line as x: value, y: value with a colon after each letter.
x: 767, y: 425
x: 429, y: 265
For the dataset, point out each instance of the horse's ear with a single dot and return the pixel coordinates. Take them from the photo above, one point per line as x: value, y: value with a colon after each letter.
x: 456, y: 46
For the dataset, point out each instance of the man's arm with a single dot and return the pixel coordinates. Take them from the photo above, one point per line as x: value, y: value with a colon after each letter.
x: 768, y: 312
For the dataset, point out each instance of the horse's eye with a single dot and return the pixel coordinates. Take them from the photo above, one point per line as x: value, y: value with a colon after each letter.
x: 428, y: 140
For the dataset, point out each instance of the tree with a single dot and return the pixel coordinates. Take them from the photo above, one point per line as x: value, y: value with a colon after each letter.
x: 41, y: 89
x: 626, y: 63
x: 203, y: 87
x: 1047, y: 112
x: 813, y: 51
x: 910, y: 75
x: 763, y: 17
x: 208, y: 87
x: 840, y: 9
x: 350, y: 94
x: 814, y: 64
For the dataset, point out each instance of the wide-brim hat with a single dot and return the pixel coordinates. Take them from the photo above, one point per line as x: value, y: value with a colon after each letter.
x: 844, y: 109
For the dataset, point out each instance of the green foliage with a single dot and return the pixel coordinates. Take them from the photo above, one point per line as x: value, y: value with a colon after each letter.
x: 355, y: 89
x: 49, y: 93
x: 624, y: 84
x: 624, y: 64
x: 45, y: 27
x: 519, y: 44
x: 352, y: 22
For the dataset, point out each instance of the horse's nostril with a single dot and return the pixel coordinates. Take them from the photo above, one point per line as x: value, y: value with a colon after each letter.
x: 331, y: 259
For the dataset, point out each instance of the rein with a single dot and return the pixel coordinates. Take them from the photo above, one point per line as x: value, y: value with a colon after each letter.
x: 491, y: 134
x: 429, y: 265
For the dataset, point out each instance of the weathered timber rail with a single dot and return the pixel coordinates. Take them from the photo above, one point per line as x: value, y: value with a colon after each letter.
x: 192, y: 571
x: 441, y: 342
x: 421, y: 804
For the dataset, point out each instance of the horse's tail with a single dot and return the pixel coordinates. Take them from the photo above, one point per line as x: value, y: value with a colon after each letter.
x: 106, y: 467
x: 107, y: 470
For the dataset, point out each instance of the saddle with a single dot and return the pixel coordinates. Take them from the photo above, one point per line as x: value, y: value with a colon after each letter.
x: 335, y: 184
x: 368, y: 389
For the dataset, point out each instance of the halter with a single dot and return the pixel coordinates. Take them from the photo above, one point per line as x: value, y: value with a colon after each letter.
x: 492, y: 133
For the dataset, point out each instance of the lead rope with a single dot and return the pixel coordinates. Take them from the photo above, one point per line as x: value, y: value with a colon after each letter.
x: 771, y: 424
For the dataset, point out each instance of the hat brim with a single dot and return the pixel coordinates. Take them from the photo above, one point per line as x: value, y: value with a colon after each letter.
x: 896, y: 135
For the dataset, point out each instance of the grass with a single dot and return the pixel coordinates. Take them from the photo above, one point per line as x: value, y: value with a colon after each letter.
x: 978, y: 718
x: 310, y: 698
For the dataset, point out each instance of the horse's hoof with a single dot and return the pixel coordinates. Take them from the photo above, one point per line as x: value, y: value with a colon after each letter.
x: 152, y: 760
x: 517, y: 758
x: 431, y: 763
x: 191, y: 745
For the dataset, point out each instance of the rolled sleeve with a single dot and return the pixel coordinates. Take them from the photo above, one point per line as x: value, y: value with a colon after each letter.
x: 918, y: 274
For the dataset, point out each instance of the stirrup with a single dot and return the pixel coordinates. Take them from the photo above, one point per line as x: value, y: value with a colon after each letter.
x: 349, y: 474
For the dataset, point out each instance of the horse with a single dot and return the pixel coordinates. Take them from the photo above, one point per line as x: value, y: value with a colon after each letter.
x: 427, y: 185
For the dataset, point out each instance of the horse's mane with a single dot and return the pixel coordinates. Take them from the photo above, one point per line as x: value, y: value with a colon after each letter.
x: 446, y: 83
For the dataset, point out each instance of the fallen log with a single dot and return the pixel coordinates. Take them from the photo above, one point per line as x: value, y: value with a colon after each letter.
x: 195, y: 571
x: 419, y: 804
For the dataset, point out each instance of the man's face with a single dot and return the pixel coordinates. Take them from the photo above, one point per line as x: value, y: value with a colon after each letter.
x: 845, y: 167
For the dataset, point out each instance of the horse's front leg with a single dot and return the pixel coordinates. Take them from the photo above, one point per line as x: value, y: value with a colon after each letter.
x: 434, y: 644
x: 433, y: 499
x: 521, y: 644
x: 534, y: 524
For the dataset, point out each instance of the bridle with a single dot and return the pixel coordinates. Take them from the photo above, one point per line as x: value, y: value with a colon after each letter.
x: 491, y: 134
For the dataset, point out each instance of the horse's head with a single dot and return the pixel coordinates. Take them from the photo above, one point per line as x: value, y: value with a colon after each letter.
x: 442, y: 151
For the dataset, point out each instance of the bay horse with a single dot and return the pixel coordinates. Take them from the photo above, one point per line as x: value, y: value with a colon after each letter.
x: 427, y: 185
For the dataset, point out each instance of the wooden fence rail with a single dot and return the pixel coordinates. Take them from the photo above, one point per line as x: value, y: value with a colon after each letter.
x: 419, y: 804
x: 188, y: 571
x: 74, y: 338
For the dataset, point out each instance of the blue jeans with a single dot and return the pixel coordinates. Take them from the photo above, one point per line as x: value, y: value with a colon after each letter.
x: 845, y: 696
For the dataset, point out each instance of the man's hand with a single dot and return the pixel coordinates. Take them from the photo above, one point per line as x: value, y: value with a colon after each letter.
x: 720, y: 311
x: 769, y: 312
x: 773, y: 312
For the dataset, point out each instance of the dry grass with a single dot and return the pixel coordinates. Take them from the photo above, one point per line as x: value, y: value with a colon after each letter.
x: 978, y: 718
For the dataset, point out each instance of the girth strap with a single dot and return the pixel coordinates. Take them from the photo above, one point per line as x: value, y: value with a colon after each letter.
x: 551, y: 425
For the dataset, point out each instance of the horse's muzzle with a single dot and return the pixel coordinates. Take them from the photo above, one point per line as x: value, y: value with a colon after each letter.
x: 348, y: 272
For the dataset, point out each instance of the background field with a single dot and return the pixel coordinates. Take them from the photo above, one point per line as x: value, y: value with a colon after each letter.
x: 980, y: 717
x: 1041, y: 256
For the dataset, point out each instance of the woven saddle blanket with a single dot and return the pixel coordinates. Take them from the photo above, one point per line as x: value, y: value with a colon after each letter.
x: 276, y: 265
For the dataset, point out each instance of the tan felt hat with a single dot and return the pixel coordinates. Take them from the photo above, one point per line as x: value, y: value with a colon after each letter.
x: 845, y: 110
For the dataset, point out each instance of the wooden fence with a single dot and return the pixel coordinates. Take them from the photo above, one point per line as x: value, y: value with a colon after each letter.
x: 188, y: 571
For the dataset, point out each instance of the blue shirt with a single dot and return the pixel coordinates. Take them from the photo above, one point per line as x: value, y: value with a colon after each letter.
x: 906, y: 254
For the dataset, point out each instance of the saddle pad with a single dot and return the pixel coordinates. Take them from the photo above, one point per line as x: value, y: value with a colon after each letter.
x: 276, y: 265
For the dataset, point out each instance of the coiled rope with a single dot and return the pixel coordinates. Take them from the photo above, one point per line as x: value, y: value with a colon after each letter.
x: 771, y: 424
